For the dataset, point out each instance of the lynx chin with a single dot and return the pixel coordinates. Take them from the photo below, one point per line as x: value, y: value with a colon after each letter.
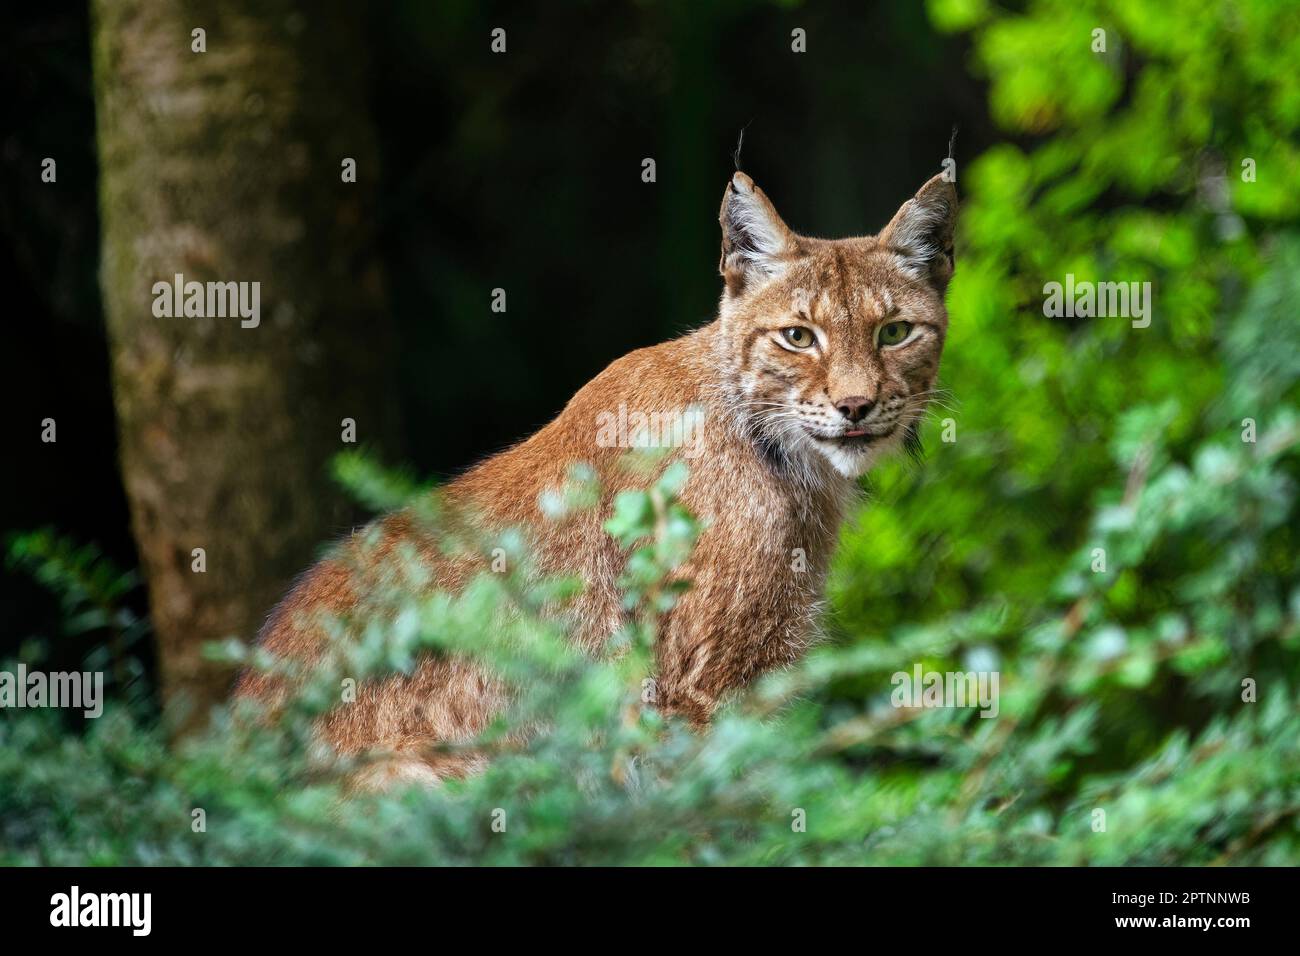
x: 821, y: 360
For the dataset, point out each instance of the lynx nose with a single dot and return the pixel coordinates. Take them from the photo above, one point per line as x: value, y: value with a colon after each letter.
x: 855, y: 407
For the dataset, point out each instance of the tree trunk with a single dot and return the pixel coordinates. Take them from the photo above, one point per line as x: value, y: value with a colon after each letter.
x: 225, y: 166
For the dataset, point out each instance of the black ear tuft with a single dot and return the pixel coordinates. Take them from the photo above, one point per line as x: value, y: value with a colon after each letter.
x: 740, y: 144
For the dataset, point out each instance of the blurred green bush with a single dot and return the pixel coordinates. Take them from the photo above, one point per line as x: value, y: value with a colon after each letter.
x: 1100, y: 533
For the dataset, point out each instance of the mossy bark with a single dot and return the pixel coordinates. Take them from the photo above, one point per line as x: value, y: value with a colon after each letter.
x: 225, y: 166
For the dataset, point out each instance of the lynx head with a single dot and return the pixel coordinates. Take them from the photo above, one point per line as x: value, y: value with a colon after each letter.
x: 832, y: 345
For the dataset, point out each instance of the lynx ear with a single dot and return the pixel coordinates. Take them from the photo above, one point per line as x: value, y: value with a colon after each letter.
x: 921, y: 232
x: 756, y: 244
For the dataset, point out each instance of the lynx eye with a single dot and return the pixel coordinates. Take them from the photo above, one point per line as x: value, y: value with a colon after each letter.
x: 798, y: 336
x: 891, y: 333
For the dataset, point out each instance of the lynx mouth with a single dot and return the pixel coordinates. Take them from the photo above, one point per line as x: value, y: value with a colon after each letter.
x: 858, y: 438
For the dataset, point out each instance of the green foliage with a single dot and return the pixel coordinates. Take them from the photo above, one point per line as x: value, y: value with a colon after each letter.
x: 1101, y: 534
x: 375, y: 487
x: 92, y: 595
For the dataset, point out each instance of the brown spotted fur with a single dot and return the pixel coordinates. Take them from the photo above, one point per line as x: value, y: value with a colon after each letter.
x: 764, y: 490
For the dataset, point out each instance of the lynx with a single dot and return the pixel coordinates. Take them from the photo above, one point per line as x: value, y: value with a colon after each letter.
x: 821, y: 360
